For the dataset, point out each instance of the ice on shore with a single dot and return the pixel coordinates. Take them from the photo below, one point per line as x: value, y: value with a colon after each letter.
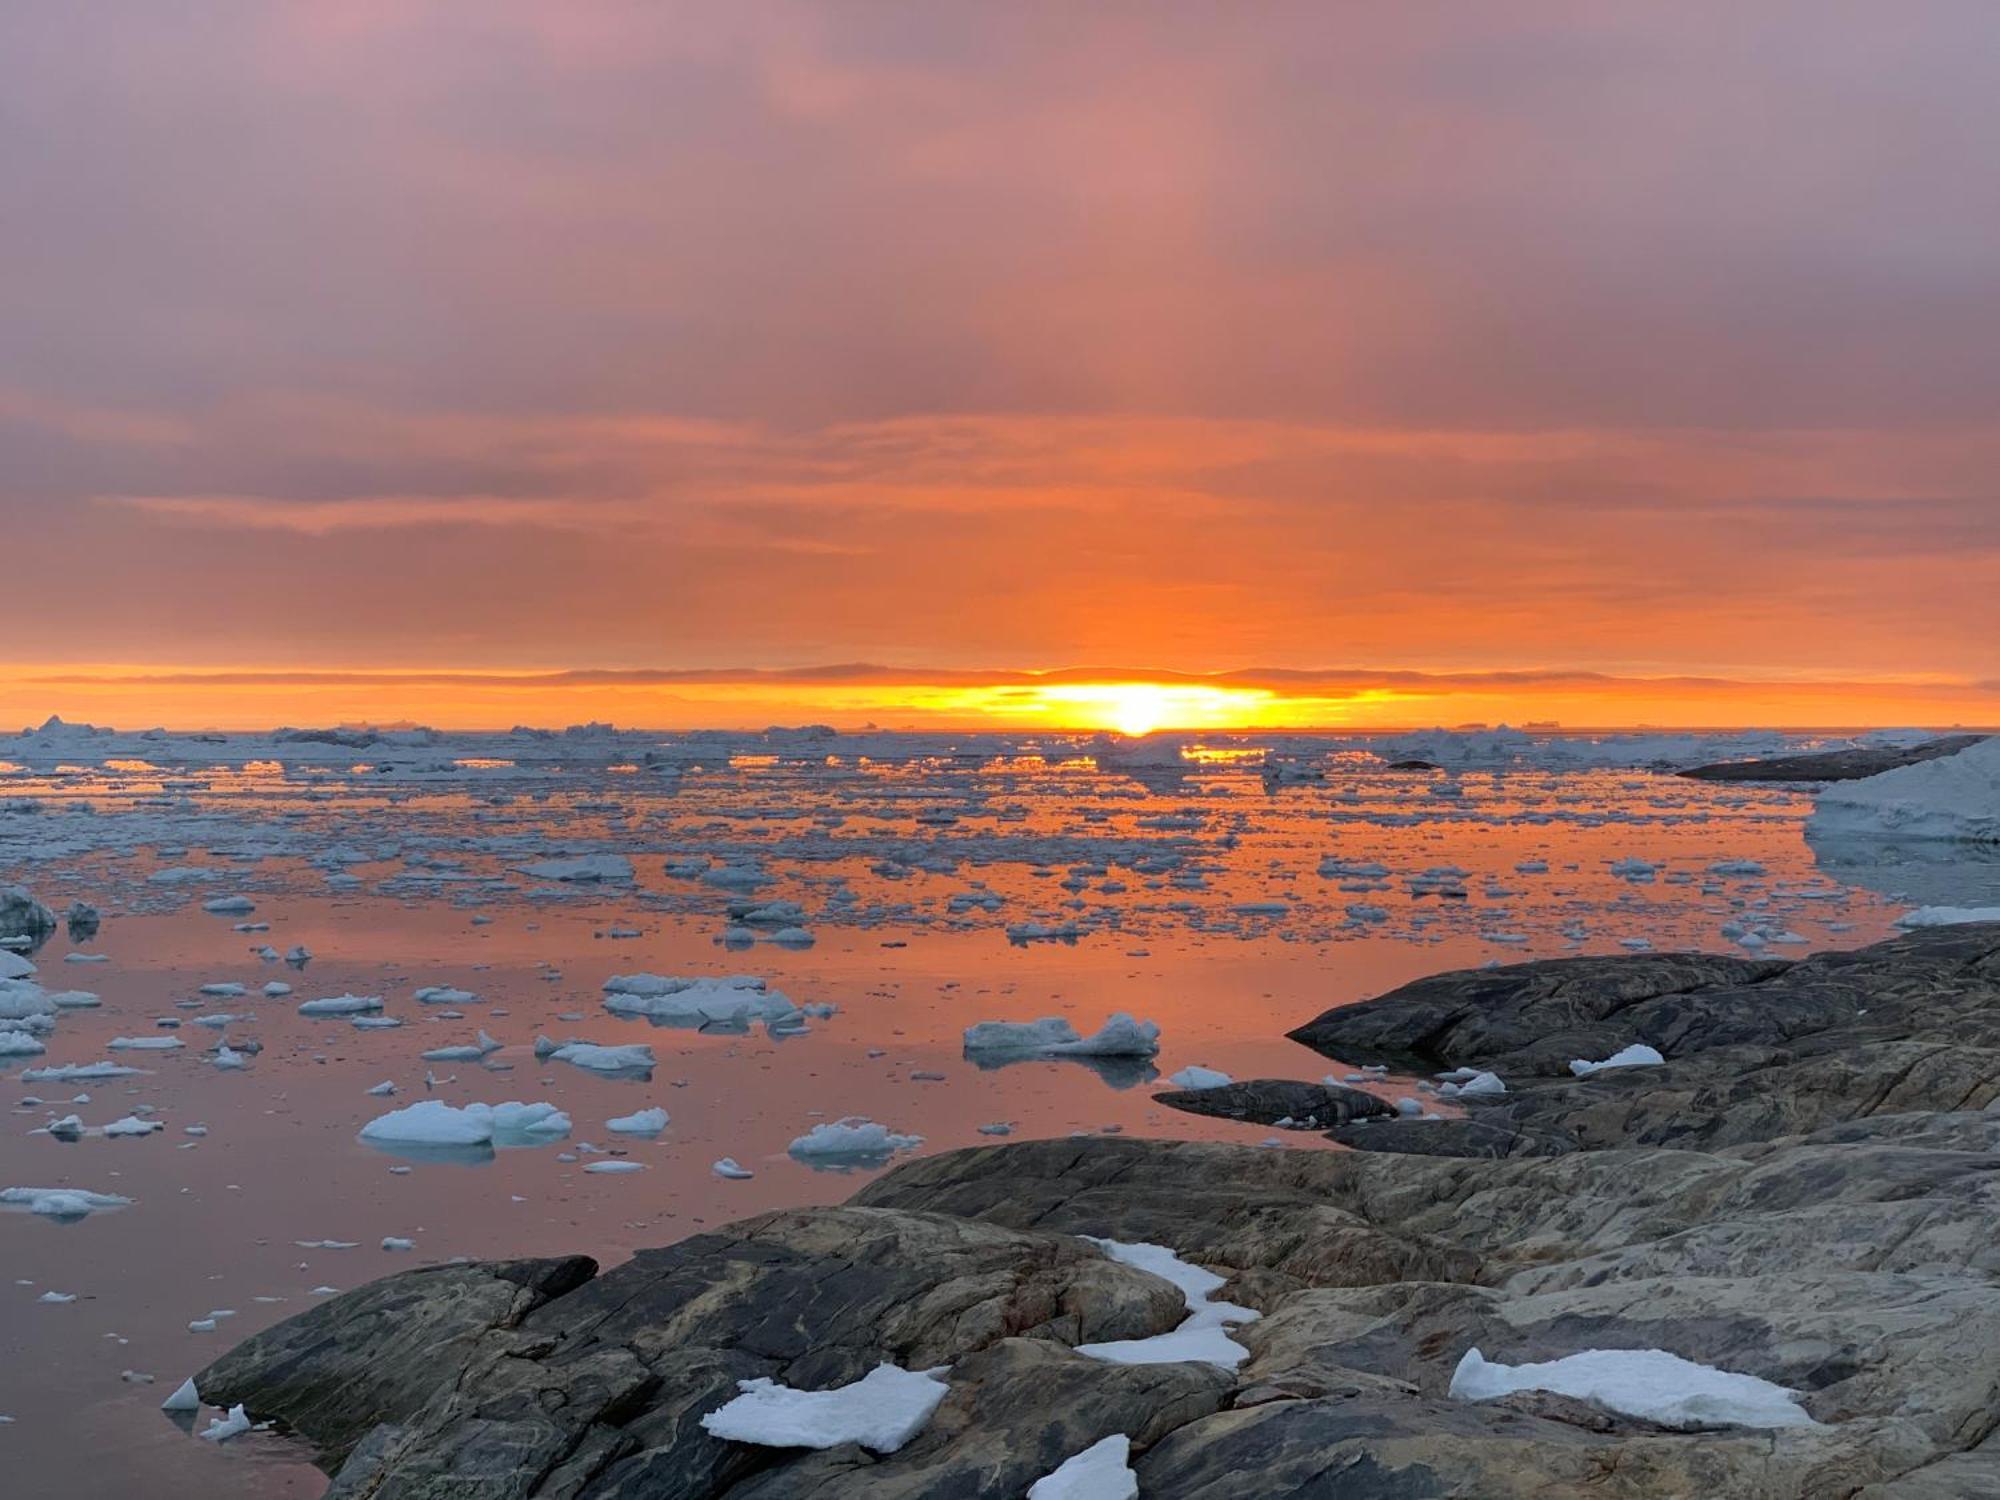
x: 184, y: 1398
x: 1647, y: 1383
x: 1947, y: 916
x: 1638, y: 1055
x: 1202, y: 1335
x: 1197, y: 1077
x: 1955, y: 798
x: 222, y: 1429
x: 1052, y: 1036
x: 432, y: 1122
x: 881, y: 1412
x: 854, y: 1139
x: 1103, y: 1471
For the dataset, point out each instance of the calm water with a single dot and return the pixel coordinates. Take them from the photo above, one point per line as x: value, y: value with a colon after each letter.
x: 1199, y: 898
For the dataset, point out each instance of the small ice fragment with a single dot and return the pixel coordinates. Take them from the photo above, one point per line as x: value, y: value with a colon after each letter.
x: 730, y: 1168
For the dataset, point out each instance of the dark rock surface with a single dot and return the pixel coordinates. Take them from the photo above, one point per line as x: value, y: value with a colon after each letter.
x: 1270, y: 1101
x: 1806, y: 1192
x: 1835, y: 765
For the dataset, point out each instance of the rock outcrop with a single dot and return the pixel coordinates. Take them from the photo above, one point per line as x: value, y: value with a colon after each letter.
x: 1803, y: 1192
x: 1835, y: 765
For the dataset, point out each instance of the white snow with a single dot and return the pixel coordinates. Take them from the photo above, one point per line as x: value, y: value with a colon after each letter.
x: 1196, y: 1077
x: 1954, y: 798
x: 1052, y: 1036
x: 1103, y: 1471
x: 1648, y: 1383
x: 222, y: 1429
x: 643, y: 1122
x: 1200, y: 1336
x: 1638, y: 1055
x: 881, y: 1411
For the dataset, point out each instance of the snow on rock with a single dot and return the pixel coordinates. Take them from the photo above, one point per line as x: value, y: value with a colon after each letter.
x: 1956, y: 797
x: 1647, y: 1383
x: 736, y: 1000
x: 1638, y: 1055
x: 1052, y: 1036
x: 881, y: 1412
x: 432, y: 1122
x: 60, y: 1203
x: 853, y: 1139
x: 1200, y: 1336
x: 1196, y: 1077
x: 588, y: 867
x: 1103, y: 1471
x: 643, y: 1122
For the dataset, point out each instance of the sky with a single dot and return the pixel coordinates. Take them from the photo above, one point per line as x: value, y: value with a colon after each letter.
x: 682, y: 363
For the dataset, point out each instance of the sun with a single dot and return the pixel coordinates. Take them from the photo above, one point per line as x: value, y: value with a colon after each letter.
x: 1137, y: 708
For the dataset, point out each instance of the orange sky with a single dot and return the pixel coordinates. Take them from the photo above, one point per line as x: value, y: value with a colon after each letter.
x: 1650, y: 355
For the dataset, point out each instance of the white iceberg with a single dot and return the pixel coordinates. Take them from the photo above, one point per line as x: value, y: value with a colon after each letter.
x: 643, y: 1122
x: 1197, y: 1077
x: 60, y: 1203
x: 341, y: 1005
x: 1954, y: 798
x: 852, y: 1139
x: 1052, y: 1036
x: 1947, y: 916
x: 432, y: 1122
x: 588, y: 867
x: 736, y: 1000
x: 633, y: 1057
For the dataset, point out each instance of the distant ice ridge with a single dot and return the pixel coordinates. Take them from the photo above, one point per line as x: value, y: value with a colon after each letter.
x: 1647, y: 1383
x: 432, y: 1122
x: 881, y: 1411
x: 1201, y: 1334
x: 1923, y: 916
x: 1052, y: 1036
x: 1955, y: 799
x: 736, y: 1000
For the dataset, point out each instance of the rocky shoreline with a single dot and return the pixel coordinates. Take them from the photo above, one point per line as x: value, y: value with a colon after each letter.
x: 1805, y: 1191
x: 1836, y: 765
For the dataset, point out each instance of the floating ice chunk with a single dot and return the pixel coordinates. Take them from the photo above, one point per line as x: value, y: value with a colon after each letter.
x: 276, y: 989
x: 851, y: 1140
x: 1119, y: 1036
x: 222, y: 1429
x: 68, y: 1128
x: 440, y: 994
x: 133, y: 1125
x: 1955, y: 798
x: 1947, y: 916
x: 881, y: 1411
x: 229, y: 905
x: 644, y: 1122
x: 19, y: 1044
x: 1478, y: 1086
x: 793, y: 937
x: 383, y: 1089
x: 1736, y: 867
x: 60, y: 1203
x: 144, y: 1044
x: 588, y: 867
x: 184, y: 1398
x: 394, y: 1242
x: 730, y: 1168
x: 633, y: 1057
x: 13, y: 966
x: 1647, y: 1383
x: 1200, y: 1336
x: 432, y: 1122
x: 615, y: 1167
x: 223, y: 991
x: 1195, y: 1077
x: 470, y: 1052
x: 227, y: 1057
x: 734, y: 1001
x: 78, y: 1072
x: 1638, y: 1055
x: 341, y: 1005
x: 56, y: 1298
x: 1103, y: 1471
